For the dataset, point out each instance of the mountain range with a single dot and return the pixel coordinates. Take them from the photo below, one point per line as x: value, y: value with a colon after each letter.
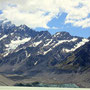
x: 27, y: 55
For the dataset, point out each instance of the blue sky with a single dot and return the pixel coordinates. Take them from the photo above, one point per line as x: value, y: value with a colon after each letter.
x: 60, y: 25
x: 54, y: 15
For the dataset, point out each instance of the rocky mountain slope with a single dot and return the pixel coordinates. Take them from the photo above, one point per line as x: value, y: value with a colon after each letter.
x: 74, y: 69
x: 6, y: 81
x: 78, y: 61
x: 28, y: 53
x: 22, y: 48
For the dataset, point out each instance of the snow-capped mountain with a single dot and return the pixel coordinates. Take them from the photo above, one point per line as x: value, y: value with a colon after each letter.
x: 23, y: 50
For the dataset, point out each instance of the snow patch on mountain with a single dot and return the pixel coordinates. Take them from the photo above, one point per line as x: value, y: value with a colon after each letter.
x: 48, y: 43
x: 3, y: 37
x: 63, y: 41
x: 5, y: 21
x: 52, y: 44
x: 35, y: 44
x: 5, y: 54
x: 36, y: 63
x: 27, y: 55
x: 15, y: 43
x: 45, y: 52
x: 12, y: 34
x: 76, y: 46
x: 58, y: 34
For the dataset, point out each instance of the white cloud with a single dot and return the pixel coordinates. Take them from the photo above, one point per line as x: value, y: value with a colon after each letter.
x: 54, y: 27
x: 37, y: 13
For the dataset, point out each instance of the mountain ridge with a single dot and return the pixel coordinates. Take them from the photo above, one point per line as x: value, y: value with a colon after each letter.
x: 33, y: 44
x: 28, y: 53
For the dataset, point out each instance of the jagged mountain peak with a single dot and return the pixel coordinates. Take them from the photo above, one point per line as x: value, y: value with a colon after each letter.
x: 26, y: 48
x: 45, y: 33
x: 23, y: 26
x: 6, y: 23
x: 6, y: 27
x: 62, y: 36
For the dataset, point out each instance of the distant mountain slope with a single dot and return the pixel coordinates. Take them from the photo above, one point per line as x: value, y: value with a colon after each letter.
x: 78, y: 61
x: 6, y: 81
x: 25, y: 51
x: 29, y: 54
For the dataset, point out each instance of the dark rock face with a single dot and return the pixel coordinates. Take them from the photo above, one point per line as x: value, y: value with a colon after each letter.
x: 89, y: 38
x: 78, y: 61
x: 25, y: 51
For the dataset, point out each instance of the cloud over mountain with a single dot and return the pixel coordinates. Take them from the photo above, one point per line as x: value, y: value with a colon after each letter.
x: 37, y: 13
